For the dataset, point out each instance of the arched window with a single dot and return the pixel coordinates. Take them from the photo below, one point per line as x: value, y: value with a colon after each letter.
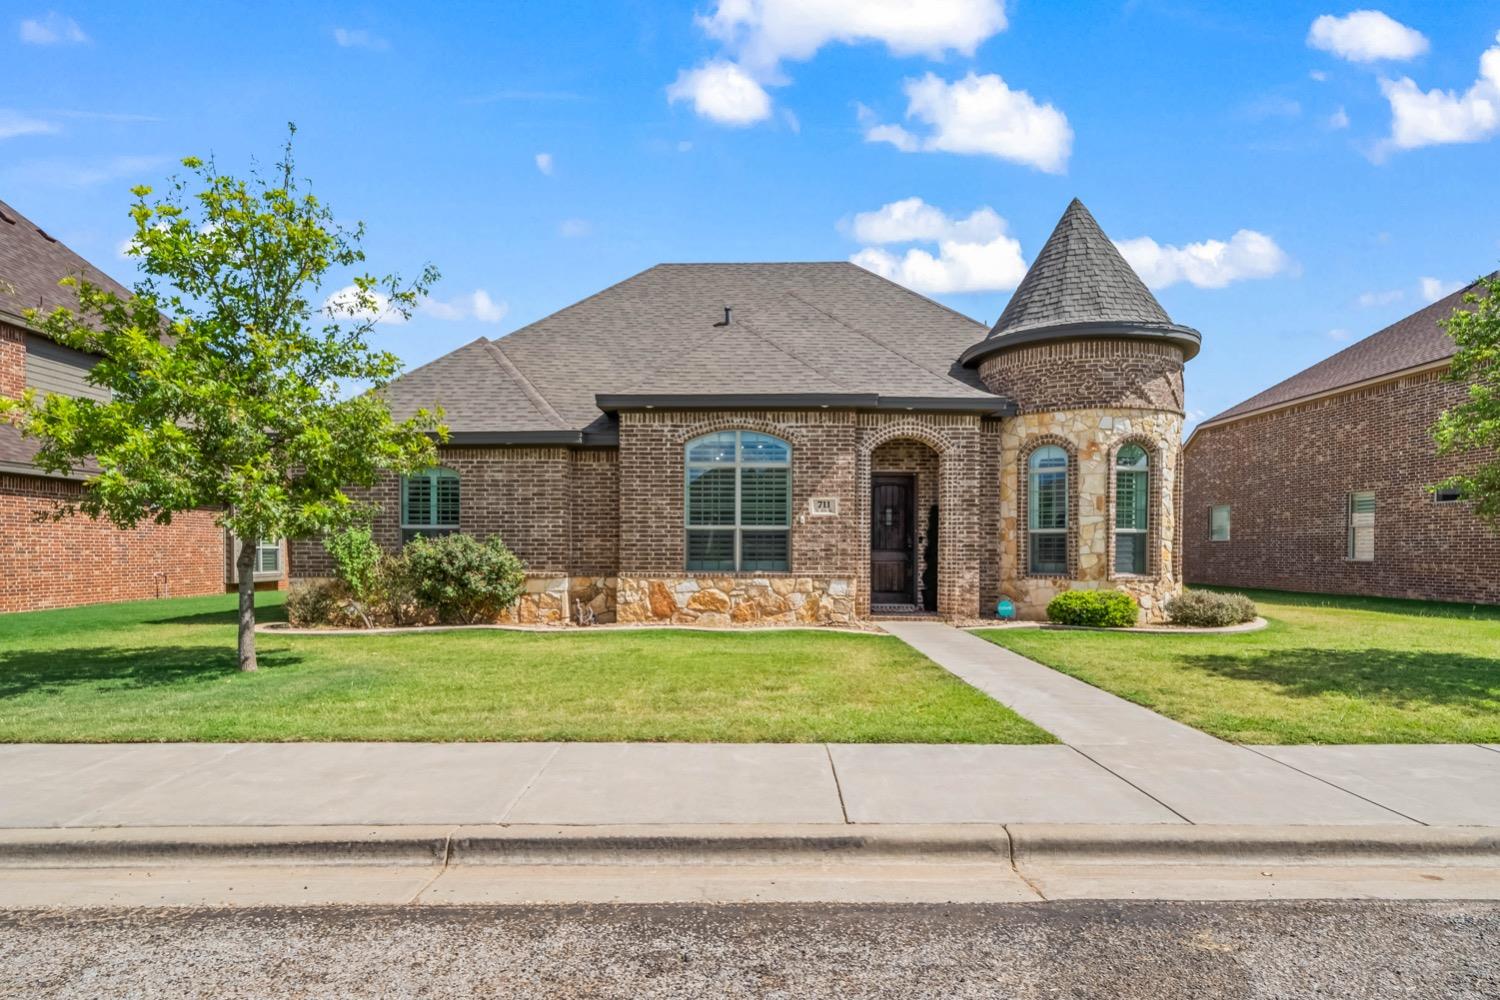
x: 1047, y: 514
x: 739, y: 502
x: 1132, y: 508
x: 429, y: 503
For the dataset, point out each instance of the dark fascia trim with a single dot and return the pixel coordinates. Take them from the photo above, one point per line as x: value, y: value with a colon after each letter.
x: 578, y: 439
x: 1185, y: 337
x: 36, y: 471
x: 611, y: 402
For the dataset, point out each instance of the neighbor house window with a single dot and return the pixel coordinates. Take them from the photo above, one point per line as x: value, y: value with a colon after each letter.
x: 1362, y: 526
x: 268, y: 557
x: 429, y: 503
x: 739, y: 502
x: 1047, y: 513
x: 1132, y: 503
x: 1218, y: 523
x: 1447, y: 495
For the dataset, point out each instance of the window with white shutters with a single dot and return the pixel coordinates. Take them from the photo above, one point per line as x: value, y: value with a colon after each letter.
x: 739, y: 502
x: 1362, y: 526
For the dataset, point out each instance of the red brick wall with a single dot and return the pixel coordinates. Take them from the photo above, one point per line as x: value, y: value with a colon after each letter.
x: 52, y: 564
x: 12, y: 361
x: 1287, y: 476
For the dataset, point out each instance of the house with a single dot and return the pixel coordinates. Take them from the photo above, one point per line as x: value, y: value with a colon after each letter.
x: 728, y: 443
x: 47, y: 563
x: 1322, y: 482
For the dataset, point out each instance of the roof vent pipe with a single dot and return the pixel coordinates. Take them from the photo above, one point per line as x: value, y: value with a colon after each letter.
x: 727, y: 310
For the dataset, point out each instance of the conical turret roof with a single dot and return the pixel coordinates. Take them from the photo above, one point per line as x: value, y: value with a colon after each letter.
x: 1080, y: 286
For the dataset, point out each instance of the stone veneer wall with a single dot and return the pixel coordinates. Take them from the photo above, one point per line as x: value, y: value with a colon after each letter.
x: 1287, y: 476
x: 737, y: 599
x: 1092, y: 438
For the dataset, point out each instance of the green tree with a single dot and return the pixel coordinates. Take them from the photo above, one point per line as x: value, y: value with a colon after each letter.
x: 1474, y: 425
x: 229, y: 388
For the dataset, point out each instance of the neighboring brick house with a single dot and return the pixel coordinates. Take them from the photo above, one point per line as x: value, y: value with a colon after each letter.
x: 1321, y: 483
x: 724, y: 443
x: 46, y: 563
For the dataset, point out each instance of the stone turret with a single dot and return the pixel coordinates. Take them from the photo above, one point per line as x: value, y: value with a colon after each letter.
x: 1094, y: 365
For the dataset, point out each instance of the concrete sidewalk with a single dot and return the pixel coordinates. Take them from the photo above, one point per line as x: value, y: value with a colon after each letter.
x: 306, y: 784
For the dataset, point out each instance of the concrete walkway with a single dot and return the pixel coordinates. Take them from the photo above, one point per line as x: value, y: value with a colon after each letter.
x: 1201, y: 779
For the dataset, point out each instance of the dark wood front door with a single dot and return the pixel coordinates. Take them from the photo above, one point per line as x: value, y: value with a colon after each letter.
x: 892, y: 541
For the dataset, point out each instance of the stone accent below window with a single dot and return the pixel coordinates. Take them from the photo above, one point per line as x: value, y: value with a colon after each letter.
x: 736, y: 600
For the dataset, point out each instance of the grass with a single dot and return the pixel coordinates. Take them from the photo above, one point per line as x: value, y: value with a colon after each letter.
x: 1326, y: 670
x: 165, y: 670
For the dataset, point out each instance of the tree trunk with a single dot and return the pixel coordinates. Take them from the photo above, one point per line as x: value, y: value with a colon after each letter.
x: 244, y: 565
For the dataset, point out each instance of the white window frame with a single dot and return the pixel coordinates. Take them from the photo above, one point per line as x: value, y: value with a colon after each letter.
x: 739, y: 464
x: 1141, y: 530
x: 1032, y: 493
x: 261, y: 550
x: 1228, y: 510
x: 1361, y: 527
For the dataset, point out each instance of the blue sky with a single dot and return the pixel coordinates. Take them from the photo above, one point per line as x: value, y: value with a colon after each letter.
x: 537, y: 152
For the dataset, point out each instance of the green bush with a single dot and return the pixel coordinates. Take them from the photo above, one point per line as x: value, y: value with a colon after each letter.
x: 1099, y: 608
x: 460, y: 579
x: 311, y: 603
x: 356, y: 559
x: 1207, y: 609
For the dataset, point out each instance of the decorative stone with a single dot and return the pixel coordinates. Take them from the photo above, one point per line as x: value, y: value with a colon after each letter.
x: 662, y: 603
x: 708, y: 600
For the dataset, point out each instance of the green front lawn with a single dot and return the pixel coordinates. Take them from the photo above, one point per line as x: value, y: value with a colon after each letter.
x: 1326, y: 670
x: 165, y: 670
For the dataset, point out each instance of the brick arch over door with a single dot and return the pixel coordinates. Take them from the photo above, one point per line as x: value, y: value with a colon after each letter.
x: 958, y: 538
x: 1155, y: 467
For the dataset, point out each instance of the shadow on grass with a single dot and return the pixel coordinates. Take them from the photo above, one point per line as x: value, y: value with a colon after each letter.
x: 1350, y: 602
x: 228, y: 616
x: 1392, y: 676
x: 107, y: 668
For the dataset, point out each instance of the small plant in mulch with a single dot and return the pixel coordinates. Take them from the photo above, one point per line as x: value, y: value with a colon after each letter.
x: 1096, y: 608
x: 1209, y: 609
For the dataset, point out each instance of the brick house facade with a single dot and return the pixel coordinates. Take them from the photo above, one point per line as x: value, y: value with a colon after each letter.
x: 1287, y: 462
x: 737, y: 443
x: 47, y: 562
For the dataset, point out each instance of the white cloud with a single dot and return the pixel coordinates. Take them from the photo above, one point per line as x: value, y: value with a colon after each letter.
x: 476, y: 305
x: 1436, y: 288
x: 974, y: 253
x: 544, y: 163
x: 349, y: 303
x: 359, y: 38
x: 766, y: 32
x: 13, y: 123
x: 1317, y: 76
x: 1339, y: 119
x: 723, y: 92
x: 1338, y: 333
x: 1210, y: 264
x: 1366, y: 36
x: 759, y: 35
x: 979, y: 115
x: 1437, y: 116
x: 574, y: 228
x: 912, y: 220
x: 52, y: 28
x: 1369, y: 300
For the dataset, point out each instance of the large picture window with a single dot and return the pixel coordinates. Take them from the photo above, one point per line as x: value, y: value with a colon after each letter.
x: 1132, y: 508
x: 429, y: 503
x: 739, y: 502
x: 1047, y: 511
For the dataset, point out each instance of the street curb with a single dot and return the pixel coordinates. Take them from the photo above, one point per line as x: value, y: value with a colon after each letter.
x: 498, y: 846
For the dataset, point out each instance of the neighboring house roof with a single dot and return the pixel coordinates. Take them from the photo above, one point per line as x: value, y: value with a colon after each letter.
x: 812, y: 330
x: 1407, y: 343
x: 31, y: 265
x: 1080, y: 286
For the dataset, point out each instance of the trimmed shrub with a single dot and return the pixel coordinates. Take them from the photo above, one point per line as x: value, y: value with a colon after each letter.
x: 1207, y: 609
x: 461, y: 579
x: 1099, y: 608
x: 311, y: 603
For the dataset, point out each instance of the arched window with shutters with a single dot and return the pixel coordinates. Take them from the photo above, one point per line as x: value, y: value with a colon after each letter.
x: 429, y: 503
x: 1047, y: 511
x: 738, y: 503
x: 1132, y: 509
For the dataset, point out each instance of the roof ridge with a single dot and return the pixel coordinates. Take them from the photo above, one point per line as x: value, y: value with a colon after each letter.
x: 519, y: 378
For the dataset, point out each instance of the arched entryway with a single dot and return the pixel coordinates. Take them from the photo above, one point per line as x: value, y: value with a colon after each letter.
x: 905, y: 487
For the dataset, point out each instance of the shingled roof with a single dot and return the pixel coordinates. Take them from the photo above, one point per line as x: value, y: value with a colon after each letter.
x: 32, y: 262
x: 1080, y: 286
x: 827, y: 331
x: 1407, y: 343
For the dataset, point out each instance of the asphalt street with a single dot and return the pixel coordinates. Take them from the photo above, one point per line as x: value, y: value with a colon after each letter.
x: 1350, y: 950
